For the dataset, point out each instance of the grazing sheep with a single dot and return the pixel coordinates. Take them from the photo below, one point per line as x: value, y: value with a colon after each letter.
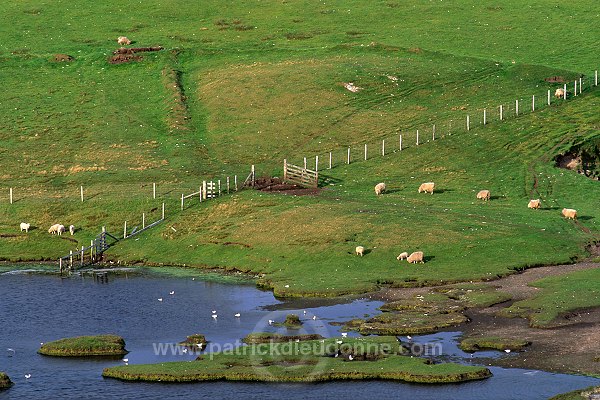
x: 360, y: 251
x: 416, y: 257
x: 560, y: 93
x: 379, y: 188
x: 25, y: 227
x: 60, y: 230
x: 72, y: 229
x: 122, y: 40
x: 535, y: 204
x: 569, y: 213
x: 427, y: 187
x: 402, y: 256
x: 54, y: 229
x: 484, y: 195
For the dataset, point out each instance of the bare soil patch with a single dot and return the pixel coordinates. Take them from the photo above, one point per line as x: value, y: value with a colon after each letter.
x: 555, y: 79
x: 62, y: 58
x: 125, y: 55
x: 277, y: 185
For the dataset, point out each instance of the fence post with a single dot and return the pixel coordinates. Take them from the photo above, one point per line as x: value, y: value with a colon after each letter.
x: 383, y: 147
x: 433, y: 133
x: 182, y: 201
x: 575, y: 91
x: 204, y: 190
x: 348, y: 162
x: 200, y: 193
x: 125, y: 230
x: 596, y: 78
x: 304, y: 162
x: 500, y: 112
x: 548, y: 97
x: 580, y: 84
x: 253, y: 175
x: 227, y: 185
x: 154, y: 190
x: 400, y: 142
x: 235, y: 182
x: 81, y: 192
x: 533, y: 103
x: 484, y: 116
x: 219, y: 183
x: 82, y: 256
x: 330, y: 160
x: 10, y: 195
x: 468, y: 123
x: 365, y: 152
x: 70, y: 259
x: 163, y: 211
x: 317, y: 163
x: 565, y: 92
x: 417, y: 137
x: 91, y: 251
x: 285, y: 169
x: 517, y: 107
x: 143, y: 220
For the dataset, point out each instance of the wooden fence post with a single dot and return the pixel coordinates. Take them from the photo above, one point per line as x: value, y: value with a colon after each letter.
x: 548, y: 97
x: 70, y: 259
x: 400, y: 143
x: 81, y: 192
x: 60, y: 267
x: 417, y: 137
x: 91, y: 251
x: 285, y: 169
x: 500, y: 112
x: 163, y: 211
x: 596, y: 78
x: 533, y: 103
x: 565, y: 92
x: 204, y: 190
x: 200, y: 193
x: 433, y: 133
x: 383, y: 147
x: 575, y: 91
x: 143, y: 220
x: 253, y: 175
x: 365, y: 152
x: 182, y: 201
x: 154, y: 190
x: 81, y: 256
x: 484, y: 116
x: 580, y: 85
x: 330, y: 160
x: 125, y: 230
x: 304, y: 162
x: 517, y: 107
x: 227, y: 185
x: 10, y: 193
x: 348, y: 162
x: 235, y: 182
x: 317, y: 163
x: 468, y: 123
x: 219, y: 183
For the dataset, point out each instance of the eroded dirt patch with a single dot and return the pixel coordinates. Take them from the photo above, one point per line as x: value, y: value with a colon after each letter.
x: 277, y: 185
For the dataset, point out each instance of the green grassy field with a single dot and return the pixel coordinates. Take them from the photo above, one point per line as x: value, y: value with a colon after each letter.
x: 255, y: 82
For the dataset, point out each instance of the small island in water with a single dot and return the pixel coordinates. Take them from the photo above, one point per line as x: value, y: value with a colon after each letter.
x: 84, y: 346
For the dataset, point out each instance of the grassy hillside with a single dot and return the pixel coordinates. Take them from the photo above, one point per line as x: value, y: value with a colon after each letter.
x: 254, y: 82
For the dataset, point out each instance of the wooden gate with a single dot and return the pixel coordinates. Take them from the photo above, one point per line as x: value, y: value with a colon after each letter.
x: 299, y: 175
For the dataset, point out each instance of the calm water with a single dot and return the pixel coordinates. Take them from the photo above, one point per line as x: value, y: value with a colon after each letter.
x: 40, y: 308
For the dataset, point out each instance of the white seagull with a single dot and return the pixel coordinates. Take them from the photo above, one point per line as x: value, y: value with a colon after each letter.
x: 214, y: 316
x: 507, y: 351
x: 27, y: 376
x: 160, y: 299
x: 271, y: 322
x: 314, y: 317
x: 237, y: 315
x: 344, y: 334
x: 172, y: 292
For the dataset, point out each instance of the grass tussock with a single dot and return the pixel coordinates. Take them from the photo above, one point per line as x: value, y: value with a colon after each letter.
x: 84, y: 346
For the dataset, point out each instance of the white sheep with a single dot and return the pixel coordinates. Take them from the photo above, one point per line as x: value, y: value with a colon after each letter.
x: 60, y: 230
x: 402, y: 256
x: 534, y: 204
x: 569, y: 213
x: 416, y: 257
x: 483, y: 195
x: 427, y: 187
x: 379, y: 188
x: 25, y: 227
x: 122, y: 40
x: 360, y: 251
x: 72, y: 229
x: 560, y: 93
x: 54, y: 229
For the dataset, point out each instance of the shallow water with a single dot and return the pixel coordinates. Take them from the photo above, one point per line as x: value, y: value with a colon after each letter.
x: 40, y: 308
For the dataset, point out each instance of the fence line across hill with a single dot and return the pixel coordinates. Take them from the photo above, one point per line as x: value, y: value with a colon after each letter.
x: 418, y: 136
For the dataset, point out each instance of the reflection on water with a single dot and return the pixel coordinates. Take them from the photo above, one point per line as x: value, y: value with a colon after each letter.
x: 40, y: 308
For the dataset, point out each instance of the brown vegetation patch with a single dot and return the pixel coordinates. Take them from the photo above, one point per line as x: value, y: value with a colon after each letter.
x: 555, y: 79
x: 125, y: 55
x: 416, y: 50
x: 133, y: 50
x: 124, y: 58
x: 62, y: 58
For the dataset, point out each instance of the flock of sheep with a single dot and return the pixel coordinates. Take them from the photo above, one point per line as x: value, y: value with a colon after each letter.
x: 56, y: 229
x: 428, y: 187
